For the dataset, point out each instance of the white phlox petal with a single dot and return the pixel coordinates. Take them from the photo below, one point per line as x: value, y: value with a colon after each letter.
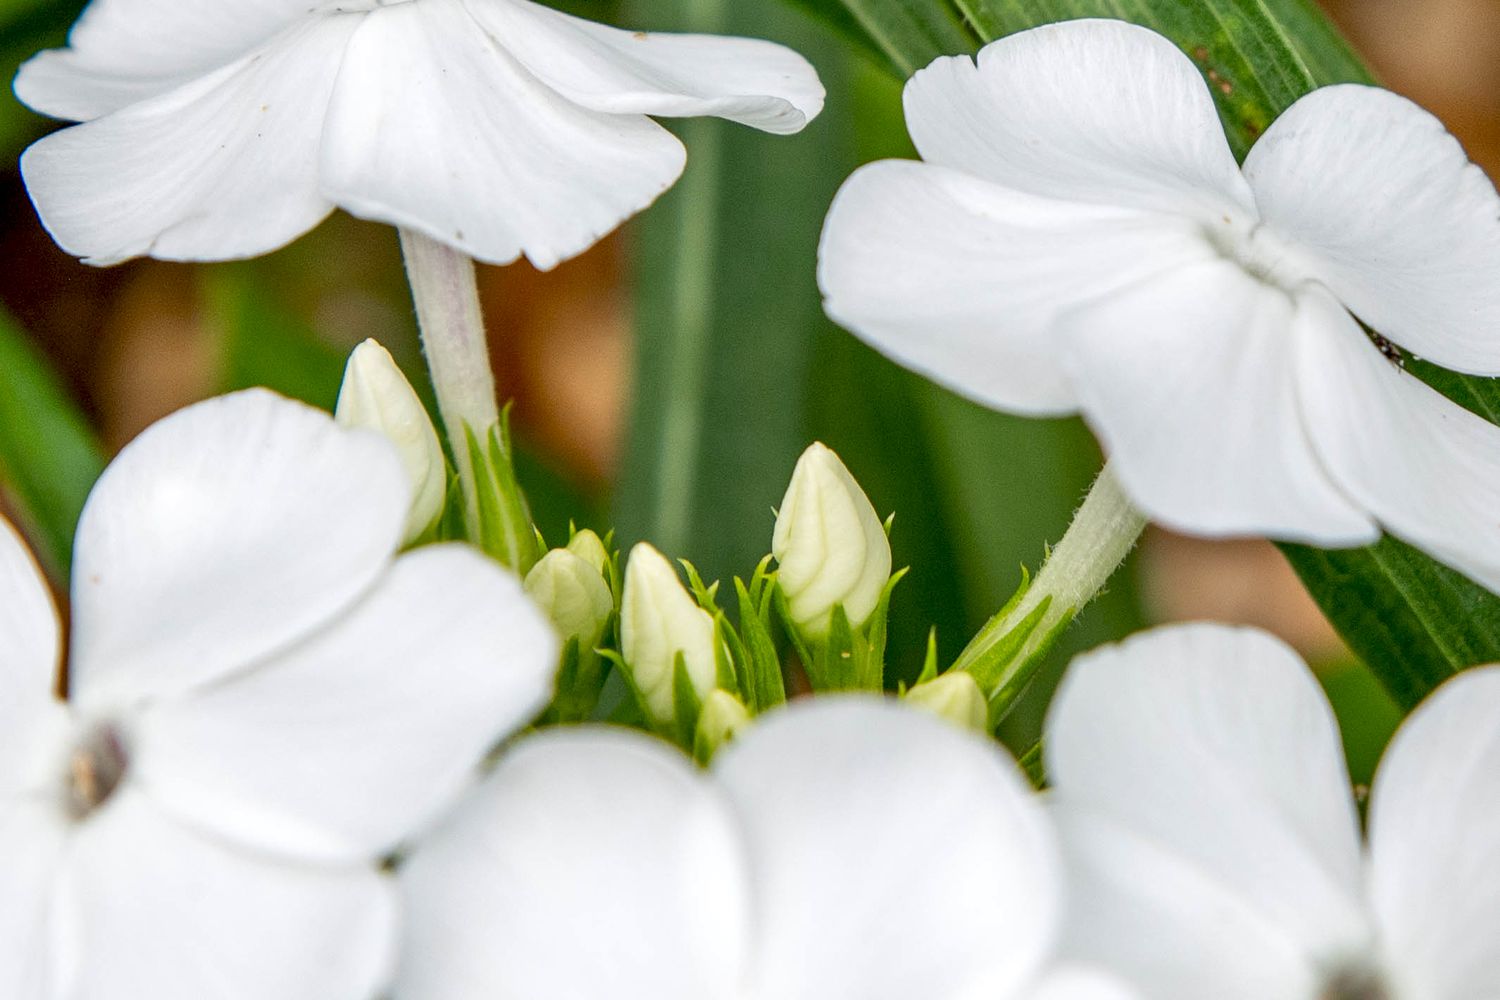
x: 964, y: 280
x: 1186, y: 381
x: 1393, y: 216
x: 33, y: 842
x: 1426, y: 468
x: 123, y: 51
x: 435, y: 127
x: 1216, y: 746
x: 221, y: 167
x: 1096, y: 111
x: 1435, y: 843
x: 910, y: 853
x: 223, y: 533
x: 344, y: 745
x: 150, y: 908
x: 29, y: 649
x: 754, y: 82
x: 591, y: 863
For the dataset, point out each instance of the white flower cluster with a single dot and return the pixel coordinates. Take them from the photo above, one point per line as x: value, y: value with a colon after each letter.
x: 270, y: 762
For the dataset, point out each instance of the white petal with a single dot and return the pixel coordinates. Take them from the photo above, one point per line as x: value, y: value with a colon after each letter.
x: 123, y: 51
x: 1425, y: 467
x: 1095, y: 111
x: 1216, y: 745
x: 893, y: 855
x: 349, y: 742
x: 1080, y: 983
x: 223, y: 166
x: 32, y: 838
x: 1169, y: 924
x: 592, y: 863
x: 1186, y: 381
x: 435, y: 127
x: 222, y: 534
x: 28, y: 661
x: 1435, y: 842
x: 149, y: 908
x: 1402, y: 227
x: 963, y: 280
x: 753, y: 82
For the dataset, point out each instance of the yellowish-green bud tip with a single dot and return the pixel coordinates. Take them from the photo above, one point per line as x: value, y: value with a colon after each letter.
x: 376, y: 395
x: 829, y: 545
x: 587, y: 546
x: 955, y: 696
x: 722, y: 718
x: 658, y: 620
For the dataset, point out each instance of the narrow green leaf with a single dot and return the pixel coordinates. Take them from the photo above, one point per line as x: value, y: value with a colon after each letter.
x: 49, y: 457
x: 727, y: 313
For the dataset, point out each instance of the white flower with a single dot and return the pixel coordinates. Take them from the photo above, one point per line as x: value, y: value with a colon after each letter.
x: 1080, y: 239
x: 843, y: 848
x: 659, y: 620
x: 500, y: 127
x: 376, y: 394
x: 263, y: 703
x: 1214, y: 844
x: 830, y: 546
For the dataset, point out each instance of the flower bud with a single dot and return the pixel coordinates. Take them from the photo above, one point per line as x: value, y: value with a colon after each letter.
x: 587, y: 546
x: 574, y: 596
x: 829, y: 544
x: 955, y: 696
x: 376, y: 395
x: 722, y: 718
x: 658, y: 620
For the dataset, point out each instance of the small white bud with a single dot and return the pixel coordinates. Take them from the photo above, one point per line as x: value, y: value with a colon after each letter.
x: 587, y: 546
x: 574, y: 596
x: 658, y: 620
x: 376, y: 395
x: 954, y: 696
x: 722, y: 718
x: 829, y: 545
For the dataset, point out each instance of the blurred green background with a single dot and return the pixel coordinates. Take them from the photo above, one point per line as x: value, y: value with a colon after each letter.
x: 666, y: 381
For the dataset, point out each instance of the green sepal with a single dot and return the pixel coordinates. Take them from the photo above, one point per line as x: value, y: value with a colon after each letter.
x: 580, y: 681
x: 762, y: 684
x: 686, y: 705
x: 930, y: 660
x: 506, y: 531
x: 1033, y: 764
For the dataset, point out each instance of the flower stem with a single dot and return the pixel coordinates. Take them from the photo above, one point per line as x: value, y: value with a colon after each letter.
x: 1005, y: 654
x: 458, y: 357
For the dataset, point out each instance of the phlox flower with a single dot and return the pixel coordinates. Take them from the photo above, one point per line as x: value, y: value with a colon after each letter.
x: 842, y: 848
x: 263, y: 700
x: 1213, y: 842
x: 217, y: 130
x: 1079, y: 239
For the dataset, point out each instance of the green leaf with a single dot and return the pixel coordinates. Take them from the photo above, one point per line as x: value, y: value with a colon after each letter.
x: 903, y: 35
x: 727, y: 314
x: 49, y: 458
x: 1413, y: 621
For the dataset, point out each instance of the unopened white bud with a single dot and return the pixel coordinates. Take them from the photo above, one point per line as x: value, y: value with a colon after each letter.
x: 658, y: 620
x: 722, y: 718
x: 376, y: 395
x: 574, y: 596
x: 588, y: 547
x: 829, y: 545
x: 956, y: 697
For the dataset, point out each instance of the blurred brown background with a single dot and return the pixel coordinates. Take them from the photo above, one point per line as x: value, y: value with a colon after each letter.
x: 138, y: 341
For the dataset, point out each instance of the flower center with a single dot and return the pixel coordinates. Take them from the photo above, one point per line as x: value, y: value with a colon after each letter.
x: 1355, y: 983
x: 1253, y: 246
x: 96, y: 767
